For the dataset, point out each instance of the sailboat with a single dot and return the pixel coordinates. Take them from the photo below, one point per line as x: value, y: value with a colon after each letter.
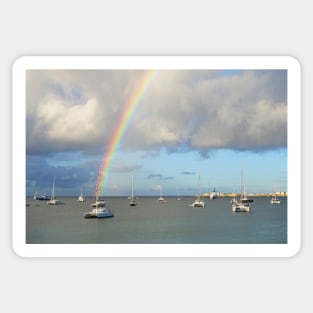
x: 41, y: 197
x: 198, y: 203
x: 53, y: 200
x: 132, y: 199
x: 99, y: 211
x: 161, y: 199
x: 36, y: 196
x: 179, y: 195
x: 274, y: 199
x: 81, y: 197
x: 243, y: 203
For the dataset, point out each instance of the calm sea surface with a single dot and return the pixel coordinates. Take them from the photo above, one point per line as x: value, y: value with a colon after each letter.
x: 152, y: 222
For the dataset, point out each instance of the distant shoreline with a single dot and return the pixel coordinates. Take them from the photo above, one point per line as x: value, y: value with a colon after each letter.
x: 222, y: 195
x: 204, y: 195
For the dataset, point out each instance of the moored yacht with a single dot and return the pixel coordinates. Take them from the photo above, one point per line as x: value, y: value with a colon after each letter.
x: 41, y: 197
x: 97, y: 212
x: 132, y: 198
x: 198, y: 203
x: 275, y: 200
x: 161, y: 199
x: 53, y: 200
x: 81, y: 198
x: 100, y: 210
x: 99, y: 204
x: 243, y: 203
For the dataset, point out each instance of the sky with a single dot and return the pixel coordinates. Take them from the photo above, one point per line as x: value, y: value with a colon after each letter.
x: 187, y: 124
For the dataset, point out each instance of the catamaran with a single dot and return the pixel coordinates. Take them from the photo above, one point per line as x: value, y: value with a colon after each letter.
x: 243, y: 203
x: 100, y: 210
x: 198, y: 203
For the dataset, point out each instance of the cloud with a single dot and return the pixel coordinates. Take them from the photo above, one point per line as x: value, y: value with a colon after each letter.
x: 152, y: 176
x: 240, y: 112
x: 160, y: 177
x: 168, y: 178
x: 155, y: 187
x: 125, y: 168
x: 199, y: 110
x: 70, y: 179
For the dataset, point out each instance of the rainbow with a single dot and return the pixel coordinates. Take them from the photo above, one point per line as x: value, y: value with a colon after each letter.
x: 141, y: 87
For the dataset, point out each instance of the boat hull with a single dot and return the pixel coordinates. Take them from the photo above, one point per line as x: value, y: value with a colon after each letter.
x: 96, y: 213
x: 198, y: 205
x: 105, y: 214
x: 240, y: 207
x: 99, y: 204
x: 275, y: 201
x: 53, y: 202
x: 132, y: 201
x: 90, y: 215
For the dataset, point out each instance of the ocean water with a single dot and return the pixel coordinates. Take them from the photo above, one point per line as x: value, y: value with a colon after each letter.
x: 151, y: 222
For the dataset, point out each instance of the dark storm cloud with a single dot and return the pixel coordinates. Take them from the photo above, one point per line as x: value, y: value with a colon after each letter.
x: 70, y: 179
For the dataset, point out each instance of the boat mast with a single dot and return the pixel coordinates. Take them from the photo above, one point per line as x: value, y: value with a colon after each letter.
x: 52, y: 196
x: 97, y: 191
x: 198, y: 195
x: 241, y: 193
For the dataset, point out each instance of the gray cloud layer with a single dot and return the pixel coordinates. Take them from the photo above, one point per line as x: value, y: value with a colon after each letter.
x: 198, y: 110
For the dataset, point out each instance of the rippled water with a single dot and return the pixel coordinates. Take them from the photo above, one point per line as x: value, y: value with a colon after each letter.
x: 152, y: 222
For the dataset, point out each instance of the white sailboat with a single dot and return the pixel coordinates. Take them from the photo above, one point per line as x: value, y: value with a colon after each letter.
x: 274, y: 199
x: 198, y: 203
x: 53, y: 200
x: 100, y: 210
x: 161, y: 199
x: 243, y: 203
x: 36, y: 196
x: 41, y: 197
x: 81, y: 198
x: 99, y: 203
x: 132, y: 199
x: 179, y: 195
